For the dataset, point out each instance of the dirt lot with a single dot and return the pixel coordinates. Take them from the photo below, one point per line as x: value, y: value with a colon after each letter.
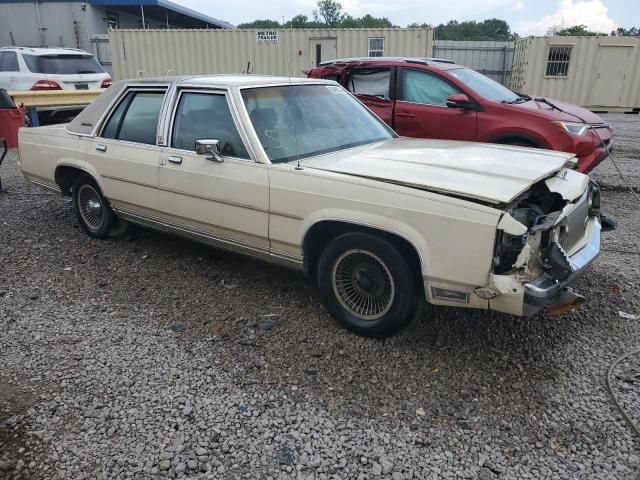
x: 149, y: 356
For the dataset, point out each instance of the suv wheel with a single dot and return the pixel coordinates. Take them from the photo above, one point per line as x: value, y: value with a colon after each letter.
x: 367, y: 285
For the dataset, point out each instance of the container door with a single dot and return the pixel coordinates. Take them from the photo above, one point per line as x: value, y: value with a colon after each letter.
x: 612, y: 66
x: 322, y: 49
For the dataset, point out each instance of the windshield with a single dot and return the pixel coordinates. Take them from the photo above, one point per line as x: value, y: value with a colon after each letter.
x: 62, y: 64
x: 489, y: 89
x: 305, y: 120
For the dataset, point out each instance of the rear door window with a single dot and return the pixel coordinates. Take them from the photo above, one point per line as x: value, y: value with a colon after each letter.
x: 62, y: 64
x: 425, y: 88
x: 135, y: 119
x: 374, y: 82
x: 9, y: 62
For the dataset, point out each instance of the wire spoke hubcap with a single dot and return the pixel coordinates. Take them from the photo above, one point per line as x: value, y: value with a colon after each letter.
x: 90, y: 207
x: 363, y: 284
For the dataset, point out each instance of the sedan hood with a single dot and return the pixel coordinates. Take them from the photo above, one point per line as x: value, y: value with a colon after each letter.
x: 488, y: 173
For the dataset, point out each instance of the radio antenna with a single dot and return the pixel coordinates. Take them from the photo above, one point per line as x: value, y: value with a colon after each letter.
x: 293, y: 112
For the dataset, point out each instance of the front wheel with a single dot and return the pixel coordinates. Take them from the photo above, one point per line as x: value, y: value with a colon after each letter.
x: 91, y: 208
x: 367, y: 284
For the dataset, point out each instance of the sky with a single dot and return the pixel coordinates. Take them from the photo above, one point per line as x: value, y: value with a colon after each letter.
x: 526, y: 17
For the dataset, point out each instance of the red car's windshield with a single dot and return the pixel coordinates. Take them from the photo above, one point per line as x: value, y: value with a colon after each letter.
x: 489, y: 89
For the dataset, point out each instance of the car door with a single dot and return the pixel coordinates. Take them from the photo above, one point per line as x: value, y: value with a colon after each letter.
x: 224, y: 202
x: 125, y: 153
x: 421, y: 108
x: 374, y: 87
x: 9, y: 70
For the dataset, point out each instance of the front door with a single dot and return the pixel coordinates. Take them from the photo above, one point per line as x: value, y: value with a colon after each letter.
x: 610, y: 78
x: 125, y: 152
x: 421, y: 109
x: 322, y: 49
x: 225, y: 203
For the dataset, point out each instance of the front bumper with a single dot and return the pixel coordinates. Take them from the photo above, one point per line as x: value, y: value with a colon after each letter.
x: 545, y: 290
x: 589, y: 162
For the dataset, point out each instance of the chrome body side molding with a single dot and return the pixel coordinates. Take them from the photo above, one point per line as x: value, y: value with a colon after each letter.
x: 294, y: 262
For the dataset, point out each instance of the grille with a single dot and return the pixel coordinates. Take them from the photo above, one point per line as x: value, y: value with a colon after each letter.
x: 575, y: 222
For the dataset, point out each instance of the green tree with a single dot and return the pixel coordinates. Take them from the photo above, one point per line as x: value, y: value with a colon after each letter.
x: 626, y: 32
x: 491, y: 29
x: 330, y: 12
x: 262, y: 24
x: 574, y: 31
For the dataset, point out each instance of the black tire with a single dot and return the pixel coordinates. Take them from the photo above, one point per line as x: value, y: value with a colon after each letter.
x: 91, y: 208
x: 367, y: 284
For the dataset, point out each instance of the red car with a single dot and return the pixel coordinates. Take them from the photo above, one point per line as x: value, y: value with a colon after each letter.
x: 435, y: 98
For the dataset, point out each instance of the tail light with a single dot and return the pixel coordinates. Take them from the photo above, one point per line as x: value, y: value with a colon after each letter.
x: 106, y: 83
x: 46, y: 85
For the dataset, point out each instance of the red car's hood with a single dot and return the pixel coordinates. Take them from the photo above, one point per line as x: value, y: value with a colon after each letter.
x: 552, y: 114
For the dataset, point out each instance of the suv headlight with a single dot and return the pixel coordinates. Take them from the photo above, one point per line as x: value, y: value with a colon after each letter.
x: 574, y: 128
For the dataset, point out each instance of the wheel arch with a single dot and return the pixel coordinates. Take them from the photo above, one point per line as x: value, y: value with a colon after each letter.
x: 65, y: 176
x: 321, y: 232
x: 505, y: 138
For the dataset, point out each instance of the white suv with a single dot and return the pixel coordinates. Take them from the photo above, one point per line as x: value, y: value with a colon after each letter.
x: 25, y: 68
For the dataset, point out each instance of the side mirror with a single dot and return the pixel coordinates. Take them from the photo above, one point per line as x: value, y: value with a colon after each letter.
x: 210, y: 148
x: 459, y: 100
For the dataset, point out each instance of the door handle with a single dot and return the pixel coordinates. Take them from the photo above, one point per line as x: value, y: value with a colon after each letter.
x: 101, y: 148
x: 175, y: 159
x: 405, y: 115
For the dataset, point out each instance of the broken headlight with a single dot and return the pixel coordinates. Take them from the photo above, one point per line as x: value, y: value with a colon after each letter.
x: 555, y: 262
x: 593, y: 199
x: 508, y: 247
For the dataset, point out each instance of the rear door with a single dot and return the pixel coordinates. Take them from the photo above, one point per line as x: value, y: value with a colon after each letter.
x: 125, y: 153
x: 374, y: 86
x: 421, y: 108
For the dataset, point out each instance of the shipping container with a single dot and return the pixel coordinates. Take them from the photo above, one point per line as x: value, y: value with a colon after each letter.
x: 137, y: 52
x: 599, y: 73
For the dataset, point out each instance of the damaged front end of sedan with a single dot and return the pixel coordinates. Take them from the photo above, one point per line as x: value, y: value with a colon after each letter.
x: 544, y: 242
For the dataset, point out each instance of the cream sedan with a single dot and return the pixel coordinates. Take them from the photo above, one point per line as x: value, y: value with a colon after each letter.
x: 301, y: 174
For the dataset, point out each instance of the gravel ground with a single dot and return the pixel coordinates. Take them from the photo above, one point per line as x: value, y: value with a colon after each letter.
x: 148, y: 356
x: 626, y: 152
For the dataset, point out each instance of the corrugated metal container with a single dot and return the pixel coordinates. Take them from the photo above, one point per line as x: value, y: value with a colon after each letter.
x: 600, y: 73
x: 493, y: 59
x: 156, y: 52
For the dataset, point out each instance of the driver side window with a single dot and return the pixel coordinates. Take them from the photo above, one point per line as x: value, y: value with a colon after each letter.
x: 201, y: 116
x: 425, y: 88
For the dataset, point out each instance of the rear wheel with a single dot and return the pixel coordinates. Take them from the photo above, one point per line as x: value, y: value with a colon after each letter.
x: 367, y: 284
x: 91, y: 208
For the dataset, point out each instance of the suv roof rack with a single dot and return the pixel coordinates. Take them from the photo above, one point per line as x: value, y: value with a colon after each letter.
x: 422, y: 60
